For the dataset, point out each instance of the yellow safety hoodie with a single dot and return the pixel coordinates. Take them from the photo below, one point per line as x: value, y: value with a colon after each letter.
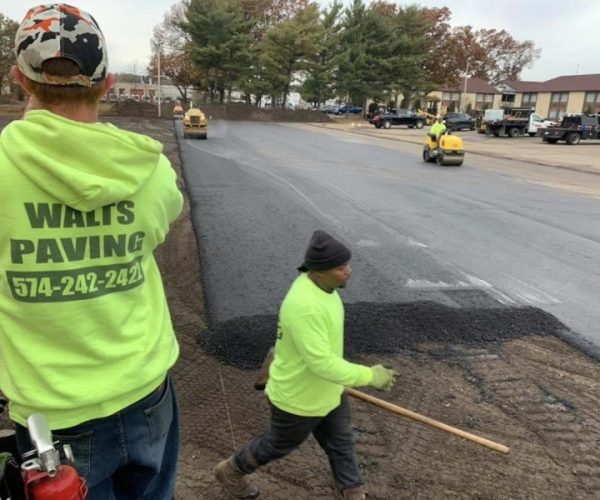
x: 309, y: 372
x: 84, y: 325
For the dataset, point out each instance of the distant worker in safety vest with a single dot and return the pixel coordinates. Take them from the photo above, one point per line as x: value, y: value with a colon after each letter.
x: 85, y: 332
x: 438, y: 128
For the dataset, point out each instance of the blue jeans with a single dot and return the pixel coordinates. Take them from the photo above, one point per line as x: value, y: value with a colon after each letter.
x: 130, y: 454
x: 288, y: 431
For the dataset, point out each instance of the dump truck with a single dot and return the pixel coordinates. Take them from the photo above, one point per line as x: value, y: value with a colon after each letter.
x: 572, y: 129
x: 519, y: 121
x: 195, y: 124
x: 489, y: 115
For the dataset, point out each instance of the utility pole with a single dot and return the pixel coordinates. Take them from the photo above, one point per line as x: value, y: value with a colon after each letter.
x: 464, y: 94
x: 159, y: 96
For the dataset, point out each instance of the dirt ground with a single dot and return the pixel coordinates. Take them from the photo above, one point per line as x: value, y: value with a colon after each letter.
x: 534, y: 394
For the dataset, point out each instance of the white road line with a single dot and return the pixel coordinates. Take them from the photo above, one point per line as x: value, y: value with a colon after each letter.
x: 531, y: 294
x: 416, y: 243
x: 437, y: 285
x: 472, y: 283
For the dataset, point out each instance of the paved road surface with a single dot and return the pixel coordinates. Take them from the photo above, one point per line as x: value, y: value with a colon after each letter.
x: 491, y: 233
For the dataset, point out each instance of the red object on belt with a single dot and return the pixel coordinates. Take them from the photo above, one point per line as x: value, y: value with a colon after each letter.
x: 65, y: 485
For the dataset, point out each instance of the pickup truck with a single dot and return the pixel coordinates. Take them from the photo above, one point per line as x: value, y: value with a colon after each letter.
x: 573, y: 129
x: 399, y: 117
x: 519, y: 121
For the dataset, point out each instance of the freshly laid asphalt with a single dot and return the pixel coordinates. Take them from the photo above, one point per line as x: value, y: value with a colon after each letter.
x: 473, y: 254
x: 377, y: 328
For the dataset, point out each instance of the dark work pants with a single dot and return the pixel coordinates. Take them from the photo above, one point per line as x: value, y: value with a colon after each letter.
x: 131, y: 454
x: 288, y: 431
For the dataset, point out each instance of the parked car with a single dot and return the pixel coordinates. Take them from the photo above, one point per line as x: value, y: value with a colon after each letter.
x: 331, y: 109
x: 400, y: 116
x: 349, y: 109
x: 459, y: 121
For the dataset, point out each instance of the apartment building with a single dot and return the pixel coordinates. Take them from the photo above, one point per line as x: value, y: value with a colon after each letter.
x: 553, y: 98
x: 479, y: 95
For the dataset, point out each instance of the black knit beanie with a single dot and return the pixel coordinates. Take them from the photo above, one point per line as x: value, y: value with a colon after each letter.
x: 324, y: 252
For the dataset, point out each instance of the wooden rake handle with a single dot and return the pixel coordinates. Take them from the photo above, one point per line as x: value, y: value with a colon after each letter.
x: 426, y: 420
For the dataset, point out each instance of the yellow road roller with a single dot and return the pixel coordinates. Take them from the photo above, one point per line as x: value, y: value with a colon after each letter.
x: 178, y: 112
x: 448, y: 150
x: 195, y: 124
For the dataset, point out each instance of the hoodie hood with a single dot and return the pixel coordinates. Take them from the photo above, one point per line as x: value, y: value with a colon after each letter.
x: 84, y: 166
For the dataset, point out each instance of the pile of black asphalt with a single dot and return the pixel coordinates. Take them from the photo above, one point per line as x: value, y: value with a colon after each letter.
x: 372, y: 328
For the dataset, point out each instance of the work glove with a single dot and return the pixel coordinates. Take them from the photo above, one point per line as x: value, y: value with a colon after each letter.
x: 383, y: 378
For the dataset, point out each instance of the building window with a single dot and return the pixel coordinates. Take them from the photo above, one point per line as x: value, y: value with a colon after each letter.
x: 508, y: 99
x: 592, y: 103
x: 451, y: 100
x: 529, y: 99
x: 484, y: 101
x: 558, y: 105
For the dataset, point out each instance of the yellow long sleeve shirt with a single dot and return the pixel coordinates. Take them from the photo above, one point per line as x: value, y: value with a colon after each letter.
x: 309, y: 373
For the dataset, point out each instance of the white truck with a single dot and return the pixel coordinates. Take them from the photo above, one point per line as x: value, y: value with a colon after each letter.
x: 519, y: 121
x: 489, y: 115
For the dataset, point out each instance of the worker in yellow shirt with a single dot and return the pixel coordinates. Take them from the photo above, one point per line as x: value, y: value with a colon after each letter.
x: 438, y: 128
x: 307, y: 377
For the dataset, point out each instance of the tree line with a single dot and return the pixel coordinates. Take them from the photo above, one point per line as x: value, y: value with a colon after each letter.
x: 8, y: 30
x: 381, y: 51
x: 269, y: 48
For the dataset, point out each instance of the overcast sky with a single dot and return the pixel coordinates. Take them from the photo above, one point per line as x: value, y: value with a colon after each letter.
x: 566, y: 33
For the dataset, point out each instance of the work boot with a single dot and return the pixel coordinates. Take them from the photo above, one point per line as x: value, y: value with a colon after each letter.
x: 235, y: 481
x: 357, y: 493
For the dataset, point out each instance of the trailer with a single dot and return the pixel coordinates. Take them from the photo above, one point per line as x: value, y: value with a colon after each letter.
x: 573, y: 129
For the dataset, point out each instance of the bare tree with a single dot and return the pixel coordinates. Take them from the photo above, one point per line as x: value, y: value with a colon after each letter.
x: 172, y: 42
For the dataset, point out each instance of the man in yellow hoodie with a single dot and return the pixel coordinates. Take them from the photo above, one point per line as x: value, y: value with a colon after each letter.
x: 308, y: 375
x: 85, y: 331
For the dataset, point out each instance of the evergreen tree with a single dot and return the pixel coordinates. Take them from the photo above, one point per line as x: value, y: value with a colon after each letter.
x: 286, y: 48
x: 365, y: 60
x: 318, y: 83
x: 221, y: 43
x: 410, y: 47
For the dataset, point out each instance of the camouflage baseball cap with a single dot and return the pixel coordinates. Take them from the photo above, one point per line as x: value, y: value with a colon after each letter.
x: 59, y: 30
